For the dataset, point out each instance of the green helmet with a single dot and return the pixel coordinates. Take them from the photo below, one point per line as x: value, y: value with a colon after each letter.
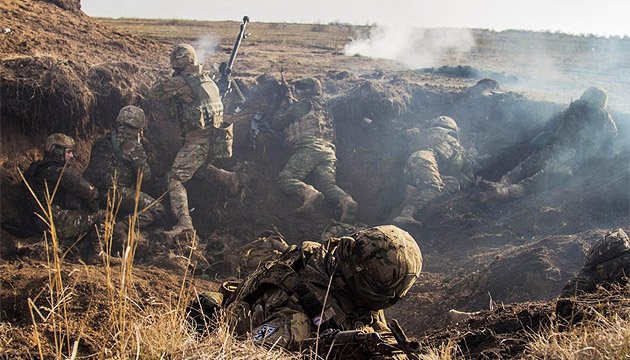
x: 59, y: 141
x: 379, y: 264
x: 613, y: 245
x: 131, y: 116
x: 595, y: 97
x: 182, y: 56
x: 444, y: 122
x: 308, y: 87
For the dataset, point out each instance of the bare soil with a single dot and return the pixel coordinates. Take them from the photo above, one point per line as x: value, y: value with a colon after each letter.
x: 64, y: 71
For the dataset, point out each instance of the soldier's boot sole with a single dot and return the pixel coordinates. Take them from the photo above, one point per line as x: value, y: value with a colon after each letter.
x: 311, y: 197
x: 348, y: 210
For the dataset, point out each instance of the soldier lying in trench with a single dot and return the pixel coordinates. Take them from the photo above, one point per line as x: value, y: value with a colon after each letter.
x: 335, y: 290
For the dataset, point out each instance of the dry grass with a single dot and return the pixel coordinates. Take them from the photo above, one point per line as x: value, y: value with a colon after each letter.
x: 605, y: 335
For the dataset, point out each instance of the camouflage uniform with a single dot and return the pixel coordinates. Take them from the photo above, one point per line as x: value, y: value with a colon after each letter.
x: 607, y: 262
x: 437, y: 166
x: 74, y: 207
x: 120, y: 152
x: 308, y: 134
x: 281, y: 303
x: 581, y: 133
x: 192, y: 100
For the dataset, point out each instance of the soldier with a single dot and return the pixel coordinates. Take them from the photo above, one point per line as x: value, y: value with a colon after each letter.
x: 192, y: 100
x: 74, y: 209
x: 607, y: 263
x: 437, y: 166
x: 580, y: 133
x: 341, y: 284
x: 308, y: 134
x: 121, y: 152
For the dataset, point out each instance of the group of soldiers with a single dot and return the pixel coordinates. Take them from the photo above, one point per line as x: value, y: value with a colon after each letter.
x: 342, y: 283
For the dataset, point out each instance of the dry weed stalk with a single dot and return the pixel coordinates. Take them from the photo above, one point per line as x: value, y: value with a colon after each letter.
x: 600, y: 337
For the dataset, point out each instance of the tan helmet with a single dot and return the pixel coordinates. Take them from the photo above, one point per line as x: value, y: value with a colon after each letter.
x: 379, y: 264
x: 59, y: 140
x: 131, y: 116
x: 595, y: 97
x: 182, y: 56
x: 444, y: 122
x: 307, y: 87
x: 614, y: 244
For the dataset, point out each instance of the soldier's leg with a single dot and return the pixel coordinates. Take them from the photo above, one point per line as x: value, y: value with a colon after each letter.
x: 190, y: 157
x: 422, y: 173
x: 534, y: 163
x: 291, y: 178
x: 227, y: 178
x: 148, y: 210
x: 324, y: 179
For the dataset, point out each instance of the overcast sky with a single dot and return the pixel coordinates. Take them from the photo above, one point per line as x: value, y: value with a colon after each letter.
x: 602, y: 17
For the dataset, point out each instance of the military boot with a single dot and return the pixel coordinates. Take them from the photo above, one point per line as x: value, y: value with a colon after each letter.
x: 406, y: 216
x: 348, y: 209
x: 184, y: 225
x: 227, y: 178
x: 310, y: 196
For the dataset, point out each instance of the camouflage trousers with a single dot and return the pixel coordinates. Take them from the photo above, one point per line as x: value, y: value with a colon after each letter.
x: 71, y: 224
x: 316, y: 158
x: 423, y: 174
x: 534, y: 163
x: 147, y: 214
x: 192, y: 155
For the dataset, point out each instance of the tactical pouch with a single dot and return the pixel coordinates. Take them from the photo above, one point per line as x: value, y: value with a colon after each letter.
x: 222, y: 139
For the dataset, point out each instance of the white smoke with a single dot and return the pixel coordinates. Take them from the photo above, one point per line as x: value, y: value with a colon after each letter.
x: 206, y: 46
x: 412, y: 46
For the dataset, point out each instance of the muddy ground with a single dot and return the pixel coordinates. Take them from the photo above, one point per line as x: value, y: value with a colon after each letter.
x: 64, y: 71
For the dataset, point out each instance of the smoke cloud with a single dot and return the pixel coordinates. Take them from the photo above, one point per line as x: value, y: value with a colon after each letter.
x: 206, y: 46
x: 412, y: 46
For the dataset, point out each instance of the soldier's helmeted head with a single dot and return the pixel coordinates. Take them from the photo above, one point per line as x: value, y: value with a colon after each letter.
x: 183, y: 56
x: 307, y: 87
x: 131, y: 116
x: 595, y: 97
x: 60, y: 146
x: 445, y: 122
x: 379, y: 265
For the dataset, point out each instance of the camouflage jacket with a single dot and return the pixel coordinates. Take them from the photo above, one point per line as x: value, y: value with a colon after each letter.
x: 118, y: 152
x: 74, y: 192
x: 580, y: 134
x: 296, y: 284
x: 307, y: 117
x: 191, y: 99
x: 444, y: 143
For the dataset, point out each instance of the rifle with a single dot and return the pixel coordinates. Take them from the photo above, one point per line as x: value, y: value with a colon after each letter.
x: 367, y: 343
x: 226, y: 83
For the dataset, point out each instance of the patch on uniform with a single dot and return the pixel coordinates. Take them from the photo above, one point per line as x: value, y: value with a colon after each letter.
x: 264, y: 332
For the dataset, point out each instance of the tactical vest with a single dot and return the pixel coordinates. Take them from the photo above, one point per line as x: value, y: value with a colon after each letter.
x: 444, y: 143
x: 317, y: 122
x: 294, y: 274
x: 207, y: 108
x: 106, y: 159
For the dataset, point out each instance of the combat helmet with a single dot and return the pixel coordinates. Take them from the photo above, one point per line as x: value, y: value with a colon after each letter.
x: 131, y: 116
x: 613, y: 245
x: 59, y: 142
x: 595, y: 97
x: 444, y: 122
x: 307, y: 87
x: 183, y: 56
x: 379, y: 265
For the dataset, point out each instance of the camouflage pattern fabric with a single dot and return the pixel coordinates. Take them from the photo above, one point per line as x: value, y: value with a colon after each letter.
x: 436, y: 168
x: 305, y: 118
x: 249, y: 257
x: 314, y: 156
x: 281, y: 303
x: 74, y: 204
x: 608, y: 262
x: 582, y: 134
x: 192, y: 100
x: 120, y: 152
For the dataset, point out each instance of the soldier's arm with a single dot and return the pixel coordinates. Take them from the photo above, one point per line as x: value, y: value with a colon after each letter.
x: 289, y: 114
x: 70, y: 182
x: 134, y: 152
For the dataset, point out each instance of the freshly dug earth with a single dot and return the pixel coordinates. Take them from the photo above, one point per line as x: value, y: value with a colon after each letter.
x: 63, y: 71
